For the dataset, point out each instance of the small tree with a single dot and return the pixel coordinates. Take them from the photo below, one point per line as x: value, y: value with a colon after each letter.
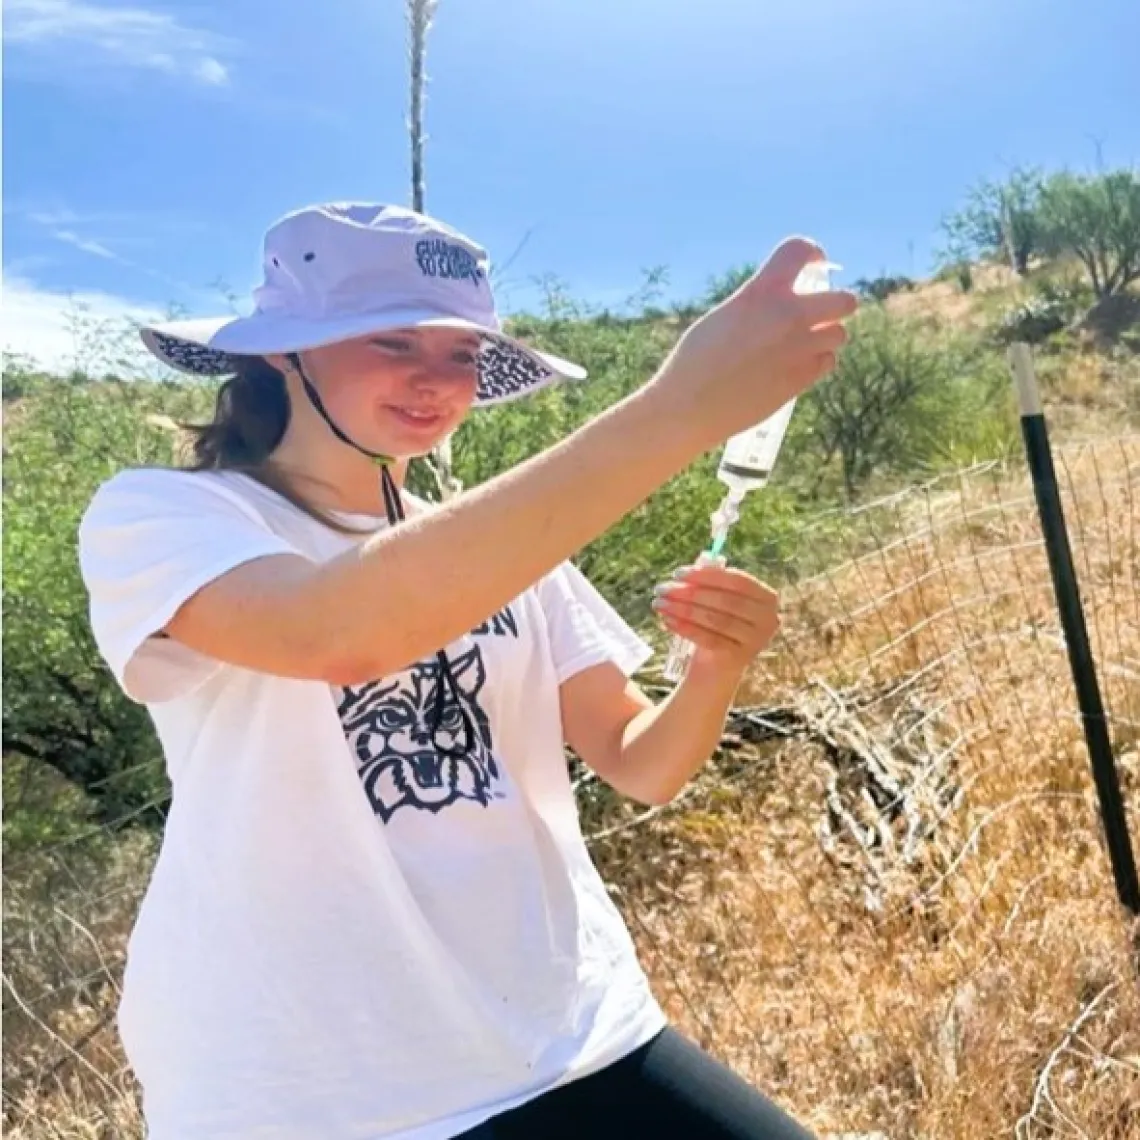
x: 1097, y: 219
x: 999, y: 219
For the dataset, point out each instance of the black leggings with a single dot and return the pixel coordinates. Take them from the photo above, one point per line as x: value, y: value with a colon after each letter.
x: 667, y: 1088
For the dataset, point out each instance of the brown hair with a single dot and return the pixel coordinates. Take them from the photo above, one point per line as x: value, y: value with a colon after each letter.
x: 250, y: 418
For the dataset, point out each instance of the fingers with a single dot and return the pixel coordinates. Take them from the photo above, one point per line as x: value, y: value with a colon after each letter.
x: 731, y: 595
x: 824, y: 364
x: 701, y: 637
x: 815, y: 309
x: 718, y: 576
x: 732, y: 608
x: 717, y: 629
x: 719, y: 608
x: 830, y: 338
x: 729, y: 626
x: 787, y: 260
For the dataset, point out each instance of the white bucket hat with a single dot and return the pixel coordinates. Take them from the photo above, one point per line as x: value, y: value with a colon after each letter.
x: 340, y: 271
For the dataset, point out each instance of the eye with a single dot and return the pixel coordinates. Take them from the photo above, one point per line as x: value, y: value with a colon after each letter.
x: 393, y: 346
x: 465, y: 357
x: 452, y: 719
x: 388, y: 718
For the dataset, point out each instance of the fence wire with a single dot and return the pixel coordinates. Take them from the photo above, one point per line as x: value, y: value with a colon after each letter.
x: 886, y: 900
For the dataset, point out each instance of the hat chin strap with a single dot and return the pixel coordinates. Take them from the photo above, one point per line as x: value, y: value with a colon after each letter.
x: 319, y: 405
x: 394, y: 509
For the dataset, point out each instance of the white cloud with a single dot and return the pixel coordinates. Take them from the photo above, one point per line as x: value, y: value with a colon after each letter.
x: 210, y: 71
x: 59, y: 331
x: 58, y: 222
x: 124, y: 36
x: 70, y: 237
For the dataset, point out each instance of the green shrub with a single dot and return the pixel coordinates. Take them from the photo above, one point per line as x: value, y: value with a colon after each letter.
x: 1032, y: 321
x: 1067, y: 290
x: 1056, y: 302
x: 880, y: 288
x: 61, y: 707
x: 960, y: 273
x: 904, y: 398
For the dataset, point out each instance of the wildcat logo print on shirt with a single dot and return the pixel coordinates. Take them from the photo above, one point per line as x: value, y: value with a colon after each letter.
x: 389, y: 728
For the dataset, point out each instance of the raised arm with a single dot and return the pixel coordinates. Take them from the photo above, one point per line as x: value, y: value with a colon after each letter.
x: 410, y: 590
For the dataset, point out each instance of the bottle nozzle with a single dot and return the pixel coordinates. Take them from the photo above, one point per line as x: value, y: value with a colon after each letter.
x: 728, y: 512
x: 723, y: 518
x: 815, y: 277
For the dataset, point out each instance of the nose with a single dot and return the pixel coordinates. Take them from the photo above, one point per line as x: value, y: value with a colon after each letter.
x: 427, y: 378
x: 438, y: 377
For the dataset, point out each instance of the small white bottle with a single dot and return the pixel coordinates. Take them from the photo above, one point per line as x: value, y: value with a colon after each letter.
x: 749, y: 456
x: 746, y: 465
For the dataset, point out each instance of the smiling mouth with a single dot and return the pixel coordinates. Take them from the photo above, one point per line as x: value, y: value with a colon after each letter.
x: 416, y: 417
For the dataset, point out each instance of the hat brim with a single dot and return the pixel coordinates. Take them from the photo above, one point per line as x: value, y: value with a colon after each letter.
x: 508, y: 369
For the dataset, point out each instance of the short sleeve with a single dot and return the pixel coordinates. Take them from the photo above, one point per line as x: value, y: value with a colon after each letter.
x: 148, y: 541
x: 584, y: 629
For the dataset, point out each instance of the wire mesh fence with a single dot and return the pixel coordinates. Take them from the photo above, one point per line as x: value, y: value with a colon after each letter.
x: 886, y: 900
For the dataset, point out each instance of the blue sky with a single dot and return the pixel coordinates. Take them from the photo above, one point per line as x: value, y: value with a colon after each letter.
x: 148, y: 145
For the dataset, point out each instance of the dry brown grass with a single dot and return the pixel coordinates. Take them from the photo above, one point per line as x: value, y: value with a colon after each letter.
x: 67, y: 914
x: 951, y: 964
x: 982, y: 983
x: 1089, y: 393
x: 945, y: 303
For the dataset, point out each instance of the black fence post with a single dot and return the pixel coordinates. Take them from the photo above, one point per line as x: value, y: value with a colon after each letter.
x: 1047, y: 493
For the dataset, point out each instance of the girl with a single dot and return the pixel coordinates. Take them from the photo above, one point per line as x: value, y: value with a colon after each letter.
x: 373, y: 914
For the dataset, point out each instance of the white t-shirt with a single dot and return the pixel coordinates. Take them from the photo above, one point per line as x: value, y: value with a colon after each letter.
x: 346, y: 935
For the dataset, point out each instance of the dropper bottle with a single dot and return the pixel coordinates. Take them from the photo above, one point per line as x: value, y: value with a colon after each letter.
x: 746, y: 465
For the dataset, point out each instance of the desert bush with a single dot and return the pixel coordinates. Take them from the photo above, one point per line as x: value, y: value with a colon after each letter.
x: 960, y: 273
x: 998, y: 219
x: 1032, y: 321
x: 1095, y: 218
x: 60, y: 708
x: 904, y: 397
x: 880, y: 288
x: 1056, y: 301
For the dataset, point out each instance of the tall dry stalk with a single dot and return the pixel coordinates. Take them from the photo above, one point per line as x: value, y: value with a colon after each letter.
x: 420, y: 14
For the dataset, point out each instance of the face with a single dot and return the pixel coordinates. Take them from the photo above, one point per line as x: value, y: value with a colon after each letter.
x: 397, y: 393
